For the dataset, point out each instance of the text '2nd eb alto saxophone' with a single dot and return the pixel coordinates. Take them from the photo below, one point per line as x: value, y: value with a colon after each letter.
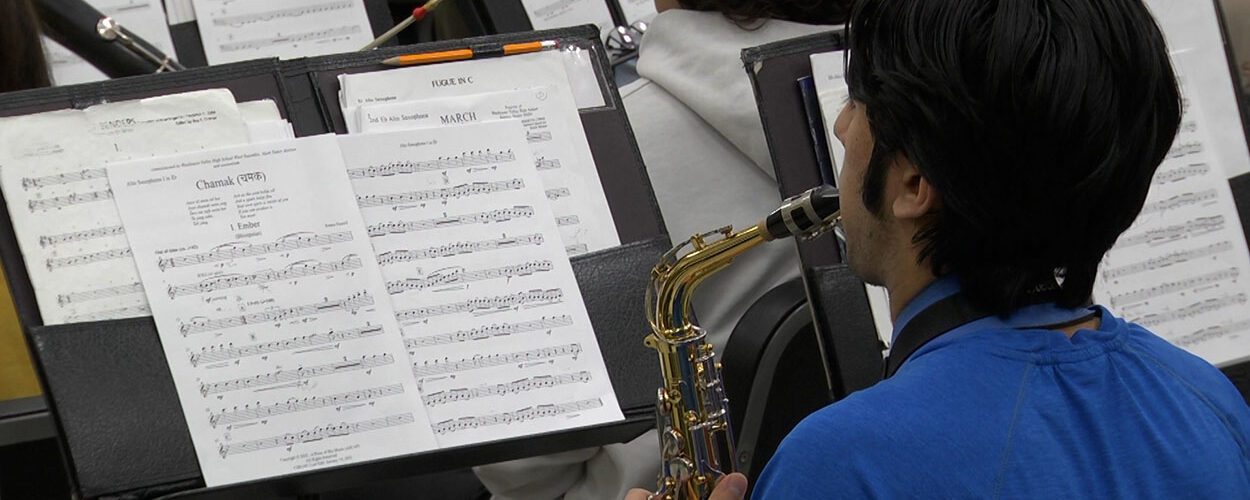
x: 692, y: 411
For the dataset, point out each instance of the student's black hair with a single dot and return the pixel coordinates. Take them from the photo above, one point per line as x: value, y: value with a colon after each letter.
x: 1039, y: 122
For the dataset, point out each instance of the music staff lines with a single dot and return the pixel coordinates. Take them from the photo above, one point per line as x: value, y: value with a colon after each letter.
x: 1191, y: 310
x: 280, y: 377
x: 576, y: 249
x: 1168, y: 260
x: 458, y: 248
x: 316, y: 434
x: 466, y: 160
x: 503, y: 389
x: 293, y: 271
x: 226, y: 352
x: 281, y: 39
x: 293, y: 12
x: 1213, y: 332
x: 1171, y: 287
x: 457, y: 275
x: 66, y: 178
x: 476, y: 305
x: 1181, y: 173
x: 99, y: 293
x: 76, y: 236
x: 490, y: 331
x: 231, y: 251
x: 557, y: 193
x: 523, y: 415
x: 120, y: 312
x: 351, y: 304
x: 568, y: 220
x: 460, y: 191
x: 293, y: 405
x: 533, y: 137
x: 1180, y: 200
x: 85, y: 259
x: 1194, y: 227
x: 487, y: 217
x: 69, y: 200
x: 445, y: 365
x: 545, y: 164
x: 1185, y: 149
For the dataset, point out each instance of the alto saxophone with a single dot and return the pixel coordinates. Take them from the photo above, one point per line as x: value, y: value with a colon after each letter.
x: 692, y: 411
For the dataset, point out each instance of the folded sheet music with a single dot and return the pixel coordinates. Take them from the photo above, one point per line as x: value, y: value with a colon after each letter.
x: 58, y: 196
x: 71, y: 237
x: 271, y: 309
x: 501, y: 342
x: 239, y: 31
x: 548, y: 14
x: 317, y: 311
x: 555, y: 136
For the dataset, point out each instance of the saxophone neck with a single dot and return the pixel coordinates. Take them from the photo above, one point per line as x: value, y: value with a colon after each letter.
x: 674, y: 280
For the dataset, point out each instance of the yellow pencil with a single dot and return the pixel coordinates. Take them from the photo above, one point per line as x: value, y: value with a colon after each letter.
x: 462, y: 54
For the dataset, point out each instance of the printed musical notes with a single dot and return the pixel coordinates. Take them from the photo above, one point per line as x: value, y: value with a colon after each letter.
x: 99, y: 293
x: 444, y: 194
x: 258, y: 410
x: 457, y: 276
x: 57, y: 202
x: 350, y: 304
x: 226, y: 352
x: 554, y: 134
x: 316, y: 434
x: 284, y: 327
x: 293, y: 271
x: 65, y: 178
x: 522, y: 415
x: 91, y: 258
x: 76, y: 236
x: 466, y: 160
x: 1181, y: 270
x: 499, y: 215
x: 302, y: 373
x: 481, y: 283
x: 489, y: 331
x: 505, y: 388
x: 238, y: 31
x: 459, y: 248
x: 233, y: 251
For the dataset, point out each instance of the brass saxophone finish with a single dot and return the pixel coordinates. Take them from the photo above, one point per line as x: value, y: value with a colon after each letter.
x: 692, y: 410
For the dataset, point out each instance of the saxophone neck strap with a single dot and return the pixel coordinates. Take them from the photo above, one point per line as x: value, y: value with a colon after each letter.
x: 948, y: 314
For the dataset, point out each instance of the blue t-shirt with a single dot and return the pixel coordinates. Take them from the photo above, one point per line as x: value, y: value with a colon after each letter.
x: 993, y: 409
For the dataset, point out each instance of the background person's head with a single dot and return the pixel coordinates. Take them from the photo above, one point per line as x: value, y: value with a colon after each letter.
x: 749, y: 11
x: 1004, y: 141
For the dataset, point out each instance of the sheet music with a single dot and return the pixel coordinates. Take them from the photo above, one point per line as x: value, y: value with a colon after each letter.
x: 272, y: 312
x: 638, y: 10
x: 547, y: 14
x: 239, y: 31
x: 493, y: 319
x: 143, y: 17
x: 1182, y: 270
x: 60, y: 200
x: 463, y: 78
x: 828, y: 70
x: 556, y: 139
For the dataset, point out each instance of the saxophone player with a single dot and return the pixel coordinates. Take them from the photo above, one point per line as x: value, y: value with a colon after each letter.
x: 995, y: 150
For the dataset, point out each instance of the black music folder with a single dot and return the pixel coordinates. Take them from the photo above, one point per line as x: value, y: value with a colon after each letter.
x: 844, y: 323
x: 108, y: 384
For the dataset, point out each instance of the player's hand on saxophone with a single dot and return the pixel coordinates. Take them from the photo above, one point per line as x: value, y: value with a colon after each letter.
x: 731, y: 487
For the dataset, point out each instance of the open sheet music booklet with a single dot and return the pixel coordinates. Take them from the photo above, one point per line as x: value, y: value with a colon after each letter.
x: 333, y: 299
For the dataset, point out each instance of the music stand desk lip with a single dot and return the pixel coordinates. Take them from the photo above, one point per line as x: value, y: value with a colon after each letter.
x: 25, y: 419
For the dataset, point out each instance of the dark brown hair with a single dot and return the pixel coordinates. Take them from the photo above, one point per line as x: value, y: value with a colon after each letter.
x: 22, y: 63
x: 799, y: 11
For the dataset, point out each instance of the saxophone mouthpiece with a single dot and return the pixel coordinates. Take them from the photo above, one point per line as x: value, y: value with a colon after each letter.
x: 805, y: 215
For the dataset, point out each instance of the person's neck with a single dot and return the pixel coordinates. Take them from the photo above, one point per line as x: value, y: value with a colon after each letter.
x: 907, y: 280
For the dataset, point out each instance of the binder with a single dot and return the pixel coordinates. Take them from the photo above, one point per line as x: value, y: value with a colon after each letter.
x: 839, y: 303
x: 108, y: 385
x: 843, y: 322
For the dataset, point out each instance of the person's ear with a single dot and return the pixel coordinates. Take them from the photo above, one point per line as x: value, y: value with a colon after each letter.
x: 915, y: 196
